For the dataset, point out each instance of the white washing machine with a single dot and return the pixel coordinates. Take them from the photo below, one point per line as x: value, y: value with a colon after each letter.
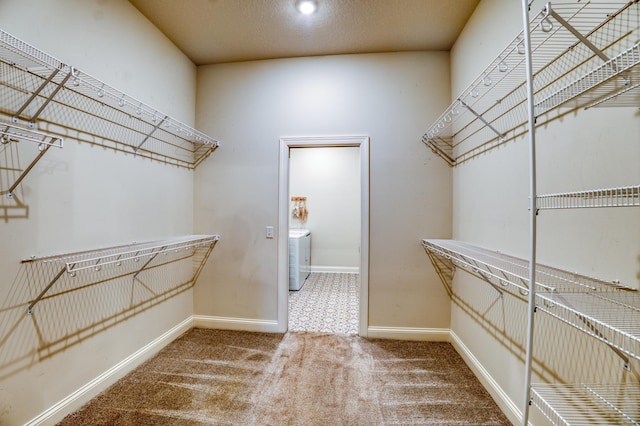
x: 299, y: 257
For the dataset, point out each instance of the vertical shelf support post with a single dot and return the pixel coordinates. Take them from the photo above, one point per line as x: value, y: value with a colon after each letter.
x: 532, y: 213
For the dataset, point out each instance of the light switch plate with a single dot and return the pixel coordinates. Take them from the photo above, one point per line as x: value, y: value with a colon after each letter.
x: 269, y: 231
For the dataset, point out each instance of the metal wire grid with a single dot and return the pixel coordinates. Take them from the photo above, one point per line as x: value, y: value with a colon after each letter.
x: 510, y: 270
x: 612, y: 317
x: 12, y: 133
x: 626, y: 196
x: 100, y: 113
x: 587, y: 404
x: 607, y: 82
x: 498, y: 95
x: 96, y: 259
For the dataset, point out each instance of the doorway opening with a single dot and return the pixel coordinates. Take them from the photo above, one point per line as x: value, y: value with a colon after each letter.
x: 330, y: 268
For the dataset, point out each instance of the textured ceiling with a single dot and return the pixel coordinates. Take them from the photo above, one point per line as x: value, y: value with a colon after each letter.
x: 217, y: 31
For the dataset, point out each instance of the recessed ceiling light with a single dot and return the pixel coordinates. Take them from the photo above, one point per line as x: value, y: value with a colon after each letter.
x: 306, y: 7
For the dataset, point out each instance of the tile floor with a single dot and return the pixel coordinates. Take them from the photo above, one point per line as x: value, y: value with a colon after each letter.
x: 327, y: 303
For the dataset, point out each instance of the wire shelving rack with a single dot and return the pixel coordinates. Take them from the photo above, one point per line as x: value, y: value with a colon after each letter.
x: 626, y: 196
x: 131, y: 259
x: 510, y: 271
x: 604, y: 310
x: 568, y: 56
x: 584, y: 404
x: 598, y: 69
x: 40, y: 91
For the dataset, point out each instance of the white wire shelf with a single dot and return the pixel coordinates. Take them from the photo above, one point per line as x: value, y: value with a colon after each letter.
x: 626, y: 196
x: 509, y: 271
x: 607, y: 82
x: 587, y: 404
x: 42, y: 92
x: 492, y: 109
x: 612, y: 317
x: 126, y: 259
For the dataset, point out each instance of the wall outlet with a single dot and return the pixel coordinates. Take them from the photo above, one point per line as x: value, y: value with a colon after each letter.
x: 269, y: 231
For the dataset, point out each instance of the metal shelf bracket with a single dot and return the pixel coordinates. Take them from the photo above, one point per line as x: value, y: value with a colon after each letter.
x: 548, y: 11
x: 46, y: 289
x: 481, y: 118
x: 150, y: 133
x: 16, y: 117
x: 14, y: 134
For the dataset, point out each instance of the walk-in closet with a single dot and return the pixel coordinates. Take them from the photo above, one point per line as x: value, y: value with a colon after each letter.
x: 320, y: 212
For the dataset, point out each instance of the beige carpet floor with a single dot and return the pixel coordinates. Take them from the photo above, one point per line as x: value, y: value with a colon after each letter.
x: 218, y: 377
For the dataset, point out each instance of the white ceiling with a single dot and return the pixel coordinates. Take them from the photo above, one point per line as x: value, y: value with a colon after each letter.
x: 217, y: 31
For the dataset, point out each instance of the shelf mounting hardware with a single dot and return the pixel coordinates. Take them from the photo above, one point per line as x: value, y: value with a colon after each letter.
x: 481, y: 118
x: 46, y: 289
x: 150, y: 133
x: 34, y: 95
x: 32, y: 121
x: 12, y: 133
x: 591, y: 326
x: 550, y: 12
x: 148, y: 262
x: 27, y: 170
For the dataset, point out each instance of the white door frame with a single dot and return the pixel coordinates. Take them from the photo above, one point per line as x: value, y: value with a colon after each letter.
x: 283, y: 220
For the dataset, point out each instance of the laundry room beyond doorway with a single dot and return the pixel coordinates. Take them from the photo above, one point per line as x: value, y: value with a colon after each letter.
x: 324, y: 185
x: 324, y: 188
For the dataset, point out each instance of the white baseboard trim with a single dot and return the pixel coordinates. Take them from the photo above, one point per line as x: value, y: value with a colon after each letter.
x: 336, y: 269
x: 511, y: 410
x: 409, y: 333
x: 77, y: 399
x: 226, y: 323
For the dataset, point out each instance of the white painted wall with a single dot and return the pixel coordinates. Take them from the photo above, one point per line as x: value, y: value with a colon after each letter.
x: 81, y: 198
x: 252, y: 105
x: 590, y: 149
x: 330, y: 179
